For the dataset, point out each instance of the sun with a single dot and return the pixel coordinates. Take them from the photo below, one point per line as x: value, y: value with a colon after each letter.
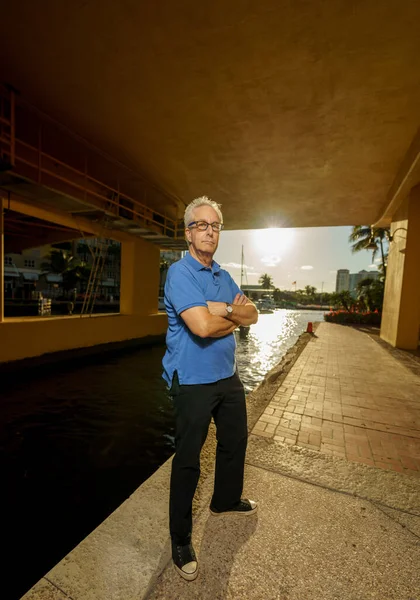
x: 274, y: 242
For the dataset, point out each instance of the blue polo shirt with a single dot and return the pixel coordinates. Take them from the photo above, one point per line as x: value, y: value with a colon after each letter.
x: 197, y: 360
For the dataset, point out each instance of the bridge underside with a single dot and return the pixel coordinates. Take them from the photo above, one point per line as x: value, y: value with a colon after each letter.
x: 288, y: 113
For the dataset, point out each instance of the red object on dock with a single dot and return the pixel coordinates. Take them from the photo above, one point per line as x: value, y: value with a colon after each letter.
x: 309, y: 328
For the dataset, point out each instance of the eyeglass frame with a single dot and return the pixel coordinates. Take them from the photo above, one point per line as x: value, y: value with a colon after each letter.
x: 220, y: 226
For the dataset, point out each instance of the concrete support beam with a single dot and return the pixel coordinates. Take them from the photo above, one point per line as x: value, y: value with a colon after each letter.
x: 408, y: 176
x: 79, y: 224
x: 139, y: 278
x: 401, y: 310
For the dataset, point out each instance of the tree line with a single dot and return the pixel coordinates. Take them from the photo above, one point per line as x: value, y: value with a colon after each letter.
x: 369, y: 292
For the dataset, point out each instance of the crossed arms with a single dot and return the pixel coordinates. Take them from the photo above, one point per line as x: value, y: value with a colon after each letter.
x: 213, y: 322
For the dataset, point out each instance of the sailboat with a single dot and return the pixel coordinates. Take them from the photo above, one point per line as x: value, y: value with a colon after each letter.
x: 243, y: 329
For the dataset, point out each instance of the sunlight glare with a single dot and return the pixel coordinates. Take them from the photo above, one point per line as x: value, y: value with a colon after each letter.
x: 274, y: 241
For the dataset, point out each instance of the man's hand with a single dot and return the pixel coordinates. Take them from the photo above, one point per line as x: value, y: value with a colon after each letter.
x: 244, y: 311
x: 218, y: 309
x: 240, y: 300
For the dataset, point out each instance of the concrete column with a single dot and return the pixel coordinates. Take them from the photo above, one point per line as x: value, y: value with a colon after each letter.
x: 401, y: 311
x: 139, y: 278
x: 1, y: 260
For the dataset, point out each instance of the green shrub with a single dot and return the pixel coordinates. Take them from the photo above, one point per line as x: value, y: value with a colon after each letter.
x: 343, y: 317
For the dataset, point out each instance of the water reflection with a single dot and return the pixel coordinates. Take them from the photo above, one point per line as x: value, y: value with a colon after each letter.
x: 268, y: 340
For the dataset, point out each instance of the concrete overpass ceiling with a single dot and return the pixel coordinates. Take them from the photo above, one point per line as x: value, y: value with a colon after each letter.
x: 22, y: 232
x: 289, y: 113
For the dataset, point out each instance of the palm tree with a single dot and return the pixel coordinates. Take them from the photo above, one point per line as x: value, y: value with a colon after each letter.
x: 370, y: 294
x: 343, y: 299
x: 266, y: 281
x: 69, y: 267
x: 310, y: 291
x: 365, y: 237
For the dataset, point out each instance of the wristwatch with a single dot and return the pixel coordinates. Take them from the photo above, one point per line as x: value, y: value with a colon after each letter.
x: 229, y: 309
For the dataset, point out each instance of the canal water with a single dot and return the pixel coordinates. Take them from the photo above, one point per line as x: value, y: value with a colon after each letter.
x: 78, y: 439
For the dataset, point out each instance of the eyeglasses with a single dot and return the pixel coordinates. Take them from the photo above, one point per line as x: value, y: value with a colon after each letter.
x: 203, y: 225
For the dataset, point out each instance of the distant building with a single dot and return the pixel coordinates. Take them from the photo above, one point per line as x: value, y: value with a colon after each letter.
x: 22, y: 271
x: 356, y: 278
x: 342, y: 282
x: 23, y: 275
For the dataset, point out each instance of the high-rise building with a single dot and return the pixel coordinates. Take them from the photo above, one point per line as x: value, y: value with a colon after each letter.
x: 343, y: 280
x: 356, y: 278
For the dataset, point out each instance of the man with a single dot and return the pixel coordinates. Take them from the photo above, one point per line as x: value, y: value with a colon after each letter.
x: 204, y: 307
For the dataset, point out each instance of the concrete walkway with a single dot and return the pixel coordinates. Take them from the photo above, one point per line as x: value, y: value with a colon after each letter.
x: 347, y: 396
x: 328, y: 528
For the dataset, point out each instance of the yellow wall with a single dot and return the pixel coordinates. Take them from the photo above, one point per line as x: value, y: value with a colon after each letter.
x: 29, y: 337
x: 139, y: 277
x: 401, y: 310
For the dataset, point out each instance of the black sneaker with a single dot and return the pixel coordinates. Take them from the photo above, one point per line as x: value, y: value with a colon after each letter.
x: 185, y: 561
x: 244, y: 507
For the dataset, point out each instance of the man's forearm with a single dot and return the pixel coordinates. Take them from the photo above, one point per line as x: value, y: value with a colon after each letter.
x: 216, y: 327
x: 245, y: 314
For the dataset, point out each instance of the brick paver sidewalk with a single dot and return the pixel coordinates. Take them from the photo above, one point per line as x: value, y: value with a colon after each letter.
x: 347, y: 396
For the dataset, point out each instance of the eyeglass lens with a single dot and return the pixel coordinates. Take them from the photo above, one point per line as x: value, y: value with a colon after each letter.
x: 202, y: 226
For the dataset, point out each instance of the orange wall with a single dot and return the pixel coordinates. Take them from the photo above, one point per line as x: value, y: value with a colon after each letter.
x: 29, y: 337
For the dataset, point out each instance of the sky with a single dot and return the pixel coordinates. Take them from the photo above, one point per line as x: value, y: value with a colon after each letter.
x: 309, y: 256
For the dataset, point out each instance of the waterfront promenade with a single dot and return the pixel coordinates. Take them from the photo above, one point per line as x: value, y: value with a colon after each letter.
x: 334, y: 521
x: 347, y: 396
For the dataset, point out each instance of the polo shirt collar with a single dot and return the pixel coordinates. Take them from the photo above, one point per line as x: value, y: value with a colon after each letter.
x: 198, y: 266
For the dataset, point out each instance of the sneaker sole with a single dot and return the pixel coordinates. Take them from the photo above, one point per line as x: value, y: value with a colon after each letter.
x: 242, y: 513
x: 184, y: 575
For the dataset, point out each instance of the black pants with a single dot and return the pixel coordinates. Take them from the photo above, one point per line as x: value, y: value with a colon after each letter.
x: 194, y: 405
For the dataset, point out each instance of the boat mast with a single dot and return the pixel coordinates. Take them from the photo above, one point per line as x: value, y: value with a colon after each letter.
x: 242, y: 264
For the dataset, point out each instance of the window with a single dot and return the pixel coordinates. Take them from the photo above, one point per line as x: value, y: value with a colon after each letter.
x: 110, y: 275
x: 29, y: 263
x: 8, y: 260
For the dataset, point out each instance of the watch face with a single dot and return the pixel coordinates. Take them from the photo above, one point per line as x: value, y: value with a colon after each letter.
x: 229, y: 309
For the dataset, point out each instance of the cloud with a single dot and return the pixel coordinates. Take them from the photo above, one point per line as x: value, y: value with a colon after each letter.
x: 373, y: 267
x: 307, y: 268
x: 234, y: 265
x: 271, y: 260
x: 377, y: 260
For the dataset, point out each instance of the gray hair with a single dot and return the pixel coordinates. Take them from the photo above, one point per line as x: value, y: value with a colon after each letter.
x: 201, y: 201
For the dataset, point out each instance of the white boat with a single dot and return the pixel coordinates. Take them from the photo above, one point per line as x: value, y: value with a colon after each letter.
x: 265, y: 306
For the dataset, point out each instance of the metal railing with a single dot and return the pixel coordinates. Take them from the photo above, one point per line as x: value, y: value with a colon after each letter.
x: 32, y: 162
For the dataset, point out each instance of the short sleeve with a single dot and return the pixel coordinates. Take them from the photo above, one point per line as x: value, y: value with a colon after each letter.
x: 235, y: 288
x: 183, y: 290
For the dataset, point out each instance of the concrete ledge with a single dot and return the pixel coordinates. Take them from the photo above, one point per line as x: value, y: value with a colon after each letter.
x: 123, y: 556
x: 305, y: 543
